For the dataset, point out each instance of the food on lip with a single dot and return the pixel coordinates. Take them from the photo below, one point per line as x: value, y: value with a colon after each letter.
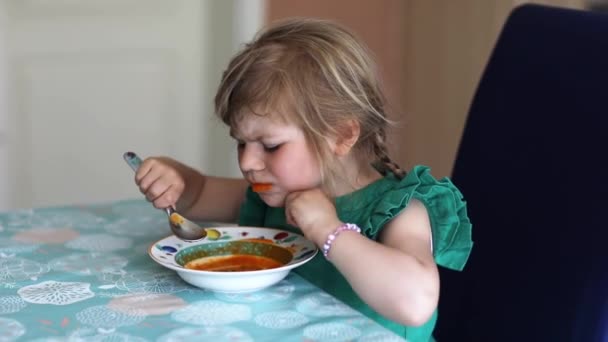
x: 176, y: 219
x: 261, y: 187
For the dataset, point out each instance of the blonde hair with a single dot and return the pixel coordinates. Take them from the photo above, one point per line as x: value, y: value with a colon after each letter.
x: 321, y: 77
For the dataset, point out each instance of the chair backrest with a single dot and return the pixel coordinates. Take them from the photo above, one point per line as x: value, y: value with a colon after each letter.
x: 532, y: 167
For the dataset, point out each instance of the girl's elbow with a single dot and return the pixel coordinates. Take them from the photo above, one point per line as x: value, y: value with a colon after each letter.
x: 417, y: 311
x: 420, y: 317
x: 416, y: 317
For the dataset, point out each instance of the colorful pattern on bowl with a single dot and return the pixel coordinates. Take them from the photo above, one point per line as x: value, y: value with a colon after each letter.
x: 175, y: 253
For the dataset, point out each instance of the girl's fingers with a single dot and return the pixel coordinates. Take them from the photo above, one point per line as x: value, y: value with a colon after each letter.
x: 164, y: 192
x: 167, y: 199
x: 162, y: 196
x: 289, y: 219
x: 145, y: 182
x: 152, y: 175
x: 157, y: 189
x: 160, y: 183
x: 143, y: 170
x: 289, y: 209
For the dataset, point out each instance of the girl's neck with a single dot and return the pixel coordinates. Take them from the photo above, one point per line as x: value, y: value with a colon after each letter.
x: 356, y: 176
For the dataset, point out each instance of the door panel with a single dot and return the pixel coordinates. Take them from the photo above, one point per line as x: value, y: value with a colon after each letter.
x: 93, y: 123
x: 87, y: 80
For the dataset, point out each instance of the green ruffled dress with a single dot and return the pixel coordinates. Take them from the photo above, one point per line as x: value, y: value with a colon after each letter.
x: 371, y: 208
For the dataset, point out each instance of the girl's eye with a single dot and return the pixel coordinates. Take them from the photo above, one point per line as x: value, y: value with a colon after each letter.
x: 272, y: 148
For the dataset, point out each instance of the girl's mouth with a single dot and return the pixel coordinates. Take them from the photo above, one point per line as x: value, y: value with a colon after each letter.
x: 261, y: 187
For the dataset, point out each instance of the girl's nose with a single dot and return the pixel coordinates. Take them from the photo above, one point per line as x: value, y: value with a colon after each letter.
x: 251, y: 158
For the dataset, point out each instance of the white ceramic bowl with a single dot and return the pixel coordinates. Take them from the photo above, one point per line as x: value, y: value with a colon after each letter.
x: 289, y: 249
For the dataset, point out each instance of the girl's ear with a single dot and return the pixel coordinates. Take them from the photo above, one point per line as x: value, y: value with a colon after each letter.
x: 349, y: 134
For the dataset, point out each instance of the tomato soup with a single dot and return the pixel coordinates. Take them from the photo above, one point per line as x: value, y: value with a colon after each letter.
x: 233, y: 263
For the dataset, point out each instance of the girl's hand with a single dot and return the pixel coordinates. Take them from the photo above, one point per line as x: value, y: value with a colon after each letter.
x: 313, y: 213
x: 160, y: 181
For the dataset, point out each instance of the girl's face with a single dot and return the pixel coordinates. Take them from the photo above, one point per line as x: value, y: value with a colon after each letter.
x: 275, y: 153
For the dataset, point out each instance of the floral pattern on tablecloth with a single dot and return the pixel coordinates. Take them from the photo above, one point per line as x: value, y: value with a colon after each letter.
x: 82, y: 273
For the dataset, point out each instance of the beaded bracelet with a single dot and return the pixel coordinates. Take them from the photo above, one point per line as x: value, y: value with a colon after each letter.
x: 331, y: 237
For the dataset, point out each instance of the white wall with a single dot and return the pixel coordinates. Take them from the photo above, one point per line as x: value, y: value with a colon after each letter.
x: 230, y: 24
x: 85, y: 81
x: 4, y: 178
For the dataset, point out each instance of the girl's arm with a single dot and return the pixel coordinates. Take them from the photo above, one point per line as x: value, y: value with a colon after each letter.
x: 397, y: 277
x: 217, y: 198
x: 167, y: 182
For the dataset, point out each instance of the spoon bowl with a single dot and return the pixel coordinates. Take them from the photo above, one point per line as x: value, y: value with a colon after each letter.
x: 184, y: 228
x: 180, y: 226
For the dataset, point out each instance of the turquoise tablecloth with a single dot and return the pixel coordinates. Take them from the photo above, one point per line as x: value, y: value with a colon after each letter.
x: 82, y: 273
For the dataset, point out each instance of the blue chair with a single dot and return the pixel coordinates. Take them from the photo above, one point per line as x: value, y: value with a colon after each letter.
x: 532, y: 167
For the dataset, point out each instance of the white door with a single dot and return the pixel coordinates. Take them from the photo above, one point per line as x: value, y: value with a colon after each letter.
x: 87, y: 80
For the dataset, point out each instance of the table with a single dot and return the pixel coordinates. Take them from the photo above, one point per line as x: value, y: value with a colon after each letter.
x: 82, y: 273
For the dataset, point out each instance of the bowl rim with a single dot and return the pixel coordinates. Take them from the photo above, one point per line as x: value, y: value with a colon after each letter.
x: 172, y: 264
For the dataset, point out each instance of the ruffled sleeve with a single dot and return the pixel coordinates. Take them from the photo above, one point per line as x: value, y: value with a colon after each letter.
x: 451, y: 227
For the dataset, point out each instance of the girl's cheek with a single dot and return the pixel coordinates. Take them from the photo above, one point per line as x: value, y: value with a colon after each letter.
x: 277, y: 158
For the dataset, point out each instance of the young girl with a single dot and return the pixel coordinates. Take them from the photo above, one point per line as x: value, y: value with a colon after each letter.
x: 304, y: 105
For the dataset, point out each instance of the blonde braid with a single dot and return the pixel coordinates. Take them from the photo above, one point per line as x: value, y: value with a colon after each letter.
x: 383, y: 162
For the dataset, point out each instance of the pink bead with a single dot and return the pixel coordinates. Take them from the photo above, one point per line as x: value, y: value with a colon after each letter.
x: 331, y: 237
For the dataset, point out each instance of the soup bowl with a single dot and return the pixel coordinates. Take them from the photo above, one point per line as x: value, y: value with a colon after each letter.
x: 242, y: 259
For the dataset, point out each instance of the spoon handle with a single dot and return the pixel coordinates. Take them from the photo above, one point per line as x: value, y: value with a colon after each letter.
x: 132, y: 159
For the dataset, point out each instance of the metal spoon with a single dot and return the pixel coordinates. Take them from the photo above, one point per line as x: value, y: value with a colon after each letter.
x: 180, y: 226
